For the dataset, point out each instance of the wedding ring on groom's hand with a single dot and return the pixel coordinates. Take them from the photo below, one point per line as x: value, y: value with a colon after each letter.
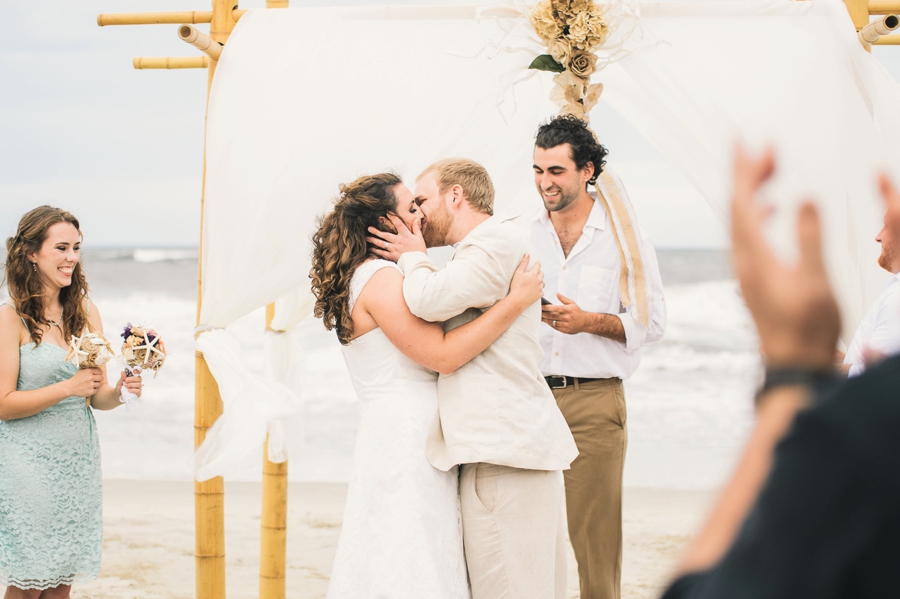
x: 554, y: 324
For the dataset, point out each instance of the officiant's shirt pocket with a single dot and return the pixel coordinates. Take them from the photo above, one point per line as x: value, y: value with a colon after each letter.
x: 596, y: 286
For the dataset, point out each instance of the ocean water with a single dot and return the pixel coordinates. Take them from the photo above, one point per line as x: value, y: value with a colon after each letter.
x: 689, y: 404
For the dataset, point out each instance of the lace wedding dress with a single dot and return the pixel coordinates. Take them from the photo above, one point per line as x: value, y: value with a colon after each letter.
x: 402, y: 533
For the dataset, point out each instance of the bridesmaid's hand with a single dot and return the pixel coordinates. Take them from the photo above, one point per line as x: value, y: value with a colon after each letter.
x: 85, y: 382
x: 527, y: 286
x: 132, y: 383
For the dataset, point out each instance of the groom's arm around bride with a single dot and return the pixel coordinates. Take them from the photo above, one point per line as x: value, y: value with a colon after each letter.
x: 496, y: 417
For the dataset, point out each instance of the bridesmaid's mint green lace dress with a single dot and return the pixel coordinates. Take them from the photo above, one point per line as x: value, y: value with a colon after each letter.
x: 51, y: 519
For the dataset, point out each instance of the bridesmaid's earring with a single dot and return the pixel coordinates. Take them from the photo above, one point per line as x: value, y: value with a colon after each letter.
x: 34, y: 266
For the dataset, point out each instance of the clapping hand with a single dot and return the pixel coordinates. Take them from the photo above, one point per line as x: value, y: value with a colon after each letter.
x: 793, y: 307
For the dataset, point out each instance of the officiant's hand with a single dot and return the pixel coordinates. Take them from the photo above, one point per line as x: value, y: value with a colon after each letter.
x: 795, y: 311
x: 568, y: 318
x: 391, y: 246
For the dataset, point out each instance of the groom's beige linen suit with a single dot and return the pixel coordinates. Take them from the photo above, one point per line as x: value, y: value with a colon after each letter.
x: 498, y: 420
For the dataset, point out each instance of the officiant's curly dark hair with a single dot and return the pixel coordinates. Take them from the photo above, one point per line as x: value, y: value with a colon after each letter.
x: 339, y: 246
x: 569, y: 129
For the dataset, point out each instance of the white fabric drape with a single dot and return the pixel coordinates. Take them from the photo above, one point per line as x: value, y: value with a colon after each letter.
x: 790, y: 74
x: 304, y: 99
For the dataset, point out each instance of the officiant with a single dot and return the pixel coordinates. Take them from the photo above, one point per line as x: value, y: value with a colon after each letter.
x: 605, y: 303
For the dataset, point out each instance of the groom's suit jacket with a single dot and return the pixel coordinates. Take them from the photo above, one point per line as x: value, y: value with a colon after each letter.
x: 497, y: 408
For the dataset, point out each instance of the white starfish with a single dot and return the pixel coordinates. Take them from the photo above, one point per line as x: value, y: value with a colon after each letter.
x: 150, y: 346
x: 76, y: 354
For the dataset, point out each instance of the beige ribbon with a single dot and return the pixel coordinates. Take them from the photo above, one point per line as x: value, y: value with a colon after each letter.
x: 626, y: 241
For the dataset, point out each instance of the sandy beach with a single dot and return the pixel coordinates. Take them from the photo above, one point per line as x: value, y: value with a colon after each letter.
x: 149, y: 539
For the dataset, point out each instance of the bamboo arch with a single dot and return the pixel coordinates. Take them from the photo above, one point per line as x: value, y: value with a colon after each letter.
x: 209, y: 495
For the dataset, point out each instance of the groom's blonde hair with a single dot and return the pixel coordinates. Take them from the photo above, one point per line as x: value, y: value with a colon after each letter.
x: 468, y: 174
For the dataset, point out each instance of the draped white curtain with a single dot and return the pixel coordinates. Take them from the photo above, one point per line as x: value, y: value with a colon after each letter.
x: 305, y: 99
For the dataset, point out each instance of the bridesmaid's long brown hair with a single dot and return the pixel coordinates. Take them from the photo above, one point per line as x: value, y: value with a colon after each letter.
x: 25, y: 288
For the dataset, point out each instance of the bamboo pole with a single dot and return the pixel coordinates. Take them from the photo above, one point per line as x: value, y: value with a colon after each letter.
x: 171, y: 62
x: 162, y: 18
x: 200, y: 40
x: 888, y: 40
x: 872, y: 32
x: 884, y: 7
x: 209, y: 496
x: 155, y: 18
x: 273, y: 525
x: 859, y: 12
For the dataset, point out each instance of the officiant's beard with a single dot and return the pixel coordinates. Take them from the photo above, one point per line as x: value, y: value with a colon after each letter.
x: 436, y: 226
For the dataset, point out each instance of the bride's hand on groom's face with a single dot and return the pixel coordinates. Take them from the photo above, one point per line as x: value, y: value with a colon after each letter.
x: 527, y: 285
x: 391, y: 246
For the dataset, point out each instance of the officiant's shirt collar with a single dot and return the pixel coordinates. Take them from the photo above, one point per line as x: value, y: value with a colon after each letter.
x: 597, y: 219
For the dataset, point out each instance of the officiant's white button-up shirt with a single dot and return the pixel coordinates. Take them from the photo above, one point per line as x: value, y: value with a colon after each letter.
x: 589, y: 275
x: 879, y: 330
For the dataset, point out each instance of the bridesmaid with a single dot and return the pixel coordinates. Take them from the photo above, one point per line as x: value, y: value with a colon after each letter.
x: 51, y: 520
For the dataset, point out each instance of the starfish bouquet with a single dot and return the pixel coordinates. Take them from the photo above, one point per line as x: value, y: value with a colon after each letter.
x: 142, y: 350
x: 90, y: 350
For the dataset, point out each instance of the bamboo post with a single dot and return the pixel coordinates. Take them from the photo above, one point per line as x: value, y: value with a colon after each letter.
x: 884, y: 7
x: 873, y: 31
x: 171, y: 62
x: 859, y: 12
x: 209, y: 496
x: 273, y: 525
x: 200, y: 40
x: 162, y: 18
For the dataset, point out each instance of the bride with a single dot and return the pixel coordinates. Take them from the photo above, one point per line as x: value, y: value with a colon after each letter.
x: 401, y: 534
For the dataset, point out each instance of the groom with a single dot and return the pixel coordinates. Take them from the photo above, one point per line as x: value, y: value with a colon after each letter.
x: 496, y: 416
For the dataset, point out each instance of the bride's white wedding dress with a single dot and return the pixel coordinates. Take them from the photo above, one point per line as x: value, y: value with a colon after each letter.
x: 402, y: 533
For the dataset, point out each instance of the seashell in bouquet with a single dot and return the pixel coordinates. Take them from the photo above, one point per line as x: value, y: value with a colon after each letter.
x: 90, y: 350
x: 143, y: 349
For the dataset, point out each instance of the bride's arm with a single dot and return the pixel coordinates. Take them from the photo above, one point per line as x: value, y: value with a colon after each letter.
x: 425, y: 342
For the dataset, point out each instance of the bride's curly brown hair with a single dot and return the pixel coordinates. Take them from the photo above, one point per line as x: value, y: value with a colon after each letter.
x: 339, y: 246
x: 24, y: 282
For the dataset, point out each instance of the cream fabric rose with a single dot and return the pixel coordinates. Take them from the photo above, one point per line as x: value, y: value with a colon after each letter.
x: 545, y: 22
x: 560, y: 50
x: 574, y: 7
x: 588, y: 30
x: 582, y: 63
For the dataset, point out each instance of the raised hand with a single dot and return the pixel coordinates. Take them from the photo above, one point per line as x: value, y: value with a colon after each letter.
x: 793, y: 307
x: 391, y: 246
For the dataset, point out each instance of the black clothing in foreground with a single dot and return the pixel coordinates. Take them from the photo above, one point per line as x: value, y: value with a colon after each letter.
x: 827, y: 521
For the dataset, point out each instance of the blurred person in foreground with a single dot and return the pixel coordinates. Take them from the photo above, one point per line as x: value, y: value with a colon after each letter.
x: 878, y: 334
x: 811, y: 508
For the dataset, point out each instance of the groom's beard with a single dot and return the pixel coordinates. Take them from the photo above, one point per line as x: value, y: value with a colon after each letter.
x: 436, y: 227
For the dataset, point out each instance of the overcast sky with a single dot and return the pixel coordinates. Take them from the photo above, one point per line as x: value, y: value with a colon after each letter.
x: 122, y: 149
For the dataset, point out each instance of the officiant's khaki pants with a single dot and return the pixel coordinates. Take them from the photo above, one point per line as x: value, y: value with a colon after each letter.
x: 513, y: 532
x: 596, y: 414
